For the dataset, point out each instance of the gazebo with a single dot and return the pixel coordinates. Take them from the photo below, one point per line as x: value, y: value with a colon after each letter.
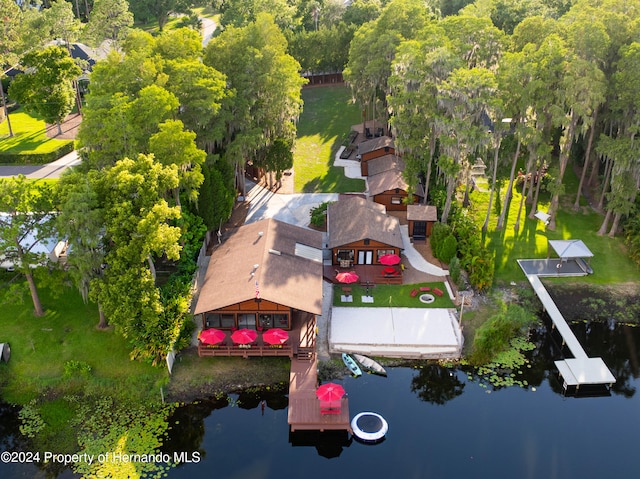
x: 572, y: 250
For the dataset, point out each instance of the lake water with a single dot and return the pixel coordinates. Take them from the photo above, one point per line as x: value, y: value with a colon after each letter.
x: 442, y: 423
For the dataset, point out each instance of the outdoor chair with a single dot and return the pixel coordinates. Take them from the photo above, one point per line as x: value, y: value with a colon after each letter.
x: 414, y: 293
x: 437, y: 292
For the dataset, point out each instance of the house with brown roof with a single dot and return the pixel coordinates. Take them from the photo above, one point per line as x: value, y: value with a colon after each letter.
x: 387, y: 185
x: 261, y: 277
x: 374, y: 148
x: 360, y: 232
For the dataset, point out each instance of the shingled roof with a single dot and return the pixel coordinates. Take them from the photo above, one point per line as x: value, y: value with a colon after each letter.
x: 285, y: 273
x: 353, y: 219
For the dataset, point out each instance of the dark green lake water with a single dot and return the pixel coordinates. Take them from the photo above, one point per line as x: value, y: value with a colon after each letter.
x: 441, y: 424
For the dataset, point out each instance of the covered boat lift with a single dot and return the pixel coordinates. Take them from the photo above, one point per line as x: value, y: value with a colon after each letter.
x: 572, y: 250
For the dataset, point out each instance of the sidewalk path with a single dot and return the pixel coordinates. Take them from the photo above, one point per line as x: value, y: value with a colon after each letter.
x: 50, y: 170
x: 415, y: 258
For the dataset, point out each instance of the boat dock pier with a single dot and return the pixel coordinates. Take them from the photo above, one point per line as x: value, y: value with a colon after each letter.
x: 581, y: 369
x: 304, y: 407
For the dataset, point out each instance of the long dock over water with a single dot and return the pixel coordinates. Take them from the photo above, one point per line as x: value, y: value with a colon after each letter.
x: 581, y: 369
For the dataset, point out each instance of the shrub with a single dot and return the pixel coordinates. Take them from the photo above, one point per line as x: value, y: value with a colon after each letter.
x: 449, y: 249
x: 454, y: 270
x: 29, y: 158
x: 319, y: 214
x: 438, y: 234
x: 496, y: 334
x: 75, y: 369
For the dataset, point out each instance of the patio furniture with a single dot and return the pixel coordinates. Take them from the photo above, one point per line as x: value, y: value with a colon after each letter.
x: 437, y: 292
x: 414, y: 293
x: 346, y: 290
x: 425, y: 288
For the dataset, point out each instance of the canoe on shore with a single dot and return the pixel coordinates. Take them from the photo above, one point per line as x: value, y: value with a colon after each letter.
x: 370, y: 364
x: 351, y: 365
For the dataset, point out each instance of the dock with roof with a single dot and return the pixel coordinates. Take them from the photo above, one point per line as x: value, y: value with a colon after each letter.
x: 581, y: 370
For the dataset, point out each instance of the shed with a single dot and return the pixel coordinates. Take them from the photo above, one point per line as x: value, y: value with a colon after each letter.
x: 421, y: 219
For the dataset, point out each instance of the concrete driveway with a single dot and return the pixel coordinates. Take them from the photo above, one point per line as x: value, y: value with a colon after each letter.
x: 50, y: 170
x: 293, y: 209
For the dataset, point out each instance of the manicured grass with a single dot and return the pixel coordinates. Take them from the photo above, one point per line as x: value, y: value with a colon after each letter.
x: 28, y: 136
x: 392, y: 295
x: 326, y: 120
x: 610, y: 262
x: 40, y: 347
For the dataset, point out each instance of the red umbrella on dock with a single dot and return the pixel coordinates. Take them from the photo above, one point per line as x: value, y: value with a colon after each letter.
x: 212, y: 336
x: 244, y: 336
x: 347, y: 277
x: 330, y: 392
x: 275, y: 336
x: 390, y: 259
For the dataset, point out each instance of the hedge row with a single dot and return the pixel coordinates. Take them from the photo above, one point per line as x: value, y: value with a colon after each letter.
x: 28, y: 158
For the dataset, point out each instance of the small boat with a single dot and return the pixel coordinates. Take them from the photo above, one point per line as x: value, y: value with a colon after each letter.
x: 351, y: 365
x: 370, y: 364
x: 369, y: 427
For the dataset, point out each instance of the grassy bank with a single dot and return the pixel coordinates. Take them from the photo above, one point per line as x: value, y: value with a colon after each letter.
x: 29, y: 136
x: 326, y: 120
x: 610, y: 261
x: 63, y: 353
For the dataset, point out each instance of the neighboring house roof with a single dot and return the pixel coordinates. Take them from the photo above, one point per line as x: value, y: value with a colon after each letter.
x: 285, y: 274
x: 353, y: 219
x: 570, y: 248
x: 375, y: 144
x: 385, y: 181
x: 422, y: 213
x: 385, y: 173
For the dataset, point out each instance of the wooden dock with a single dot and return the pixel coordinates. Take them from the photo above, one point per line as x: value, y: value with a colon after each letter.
x: 581, y: 369
x: 304, y: 407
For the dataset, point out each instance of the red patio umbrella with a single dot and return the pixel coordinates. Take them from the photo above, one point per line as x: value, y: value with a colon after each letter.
x: 347, y: 277
x: 330, y: 392
x: 390, y: 259
x: 275, y: 336
x: 244, y: 336
x: 212, y: 336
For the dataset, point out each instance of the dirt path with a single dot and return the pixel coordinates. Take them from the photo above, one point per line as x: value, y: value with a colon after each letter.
x: 70, y: 127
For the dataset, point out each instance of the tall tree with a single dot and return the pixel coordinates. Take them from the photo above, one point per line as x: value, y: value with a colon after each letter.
x: 172, y: 145
x: 25, y: 223
x: 46, y: 88
x: 267, y: 84
x: 81, y: 221
x: 10, y: 14
x: 110, y: 20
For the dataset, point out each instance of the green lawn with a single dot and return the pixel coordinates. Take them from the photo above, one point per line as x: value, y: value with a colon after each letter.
x: 29, y: 135
x: 40, y: 347
x: 326, y: 120
x: 390, y: 295
x: 610, y: 262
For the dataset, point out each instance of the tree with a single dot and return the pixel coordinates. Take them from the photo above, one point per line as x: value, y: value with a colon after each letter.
x: 217, y: 194
x: 25, y: 222
x: 45, y: 89
x: 267, y: 82
x: 278, y: 158
x: 81, y: 221
x: 137, y: 228
x: 172, y: 145
x: 110, y: 20
x: 10, y: 14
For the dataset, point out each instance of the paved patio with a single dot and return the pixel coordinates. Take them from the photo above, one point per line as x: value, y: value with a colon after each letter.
x: 412, y: 333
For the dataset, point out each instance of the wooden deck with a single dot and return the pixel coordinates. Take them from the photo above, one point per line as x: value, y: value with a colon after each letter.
x: 368, y: 273
x: 301, y: 341
x: 304, y: 407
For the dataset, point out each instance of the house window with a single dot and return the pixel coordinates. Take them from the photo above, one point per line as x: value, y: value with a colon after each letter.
x: 247, y: 320
x: 345, y: 257
x: 217, y: 320
x: 367, y: 241
x: 396, y: 200
x: 382, y: 252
